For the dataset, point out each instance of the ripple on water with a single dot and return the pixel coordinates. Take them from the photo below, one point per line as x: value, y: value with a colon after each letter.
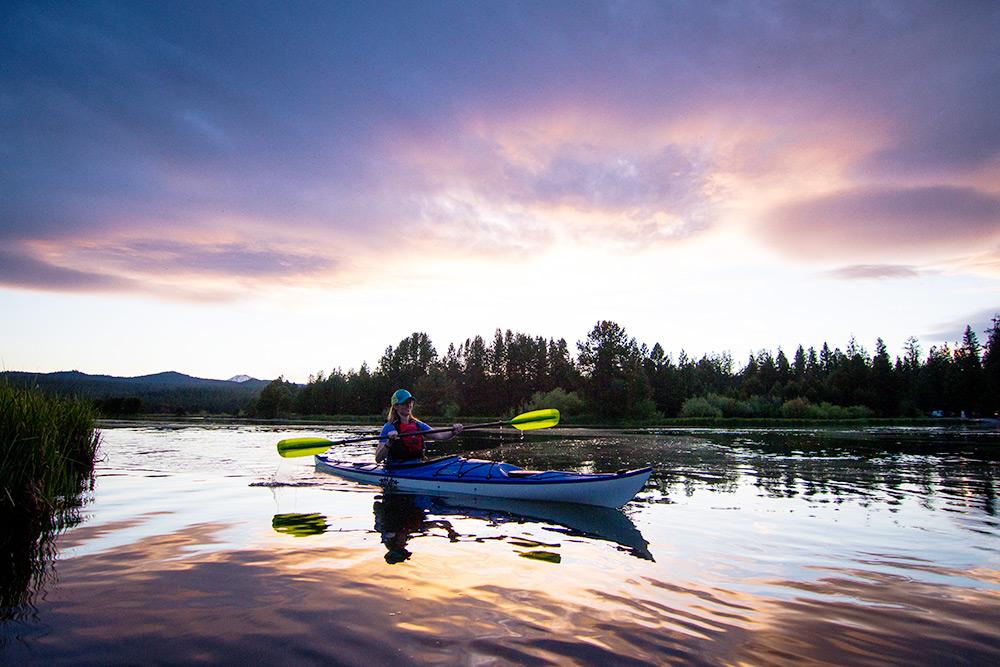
x: 753, y: 547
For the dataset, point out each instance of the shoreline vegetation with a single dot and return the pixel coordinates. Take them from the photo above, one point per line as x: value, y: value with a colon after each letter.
x: 48, y: 447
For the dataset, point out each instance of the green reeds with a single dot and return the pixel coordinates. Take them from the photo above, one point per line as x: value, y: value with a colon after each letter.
x: 47, y: 449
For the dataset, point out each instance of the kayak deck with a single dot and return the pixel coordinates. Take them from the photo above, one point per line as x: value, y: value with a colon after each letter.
x: 455, y: 474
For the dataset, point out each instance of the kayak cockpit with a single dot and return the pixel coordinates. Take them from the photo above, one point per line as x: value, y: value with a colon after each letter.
x: 456, y: 467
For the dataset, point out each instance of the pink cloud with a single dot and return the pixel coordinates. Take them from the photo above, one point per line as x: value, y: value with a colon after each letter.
x: 875, y: 271
x: 492, y: 128
x: 886, y: 224
x: 168, y: 268
x: 22, y: 270
x: 981, y: 323
x: 247, y: 260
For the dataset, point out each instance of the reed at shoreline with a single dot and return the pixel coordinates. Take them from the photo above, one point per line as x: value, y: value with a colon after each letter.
x: 47, y: 448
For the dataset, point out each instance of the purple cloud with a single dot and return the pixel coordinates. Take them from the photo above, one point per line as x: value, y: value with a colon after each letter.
x: 887, y: 222
x: 209, y: 259
x: 874, y: 271
x: 639, y: 186
x: 155, y: 266
x: 134, y: 117
x: 949, y: 332
x: 17, y: 270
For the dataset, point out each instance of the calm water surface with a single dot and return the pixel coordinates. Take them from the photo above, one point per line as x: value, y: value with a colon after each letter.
x: 756, y: 547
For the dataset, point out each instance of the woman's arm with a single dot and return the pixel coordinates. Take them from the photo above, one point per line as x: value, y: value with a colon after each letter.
x: 382, y: 449
x: 455, y: 430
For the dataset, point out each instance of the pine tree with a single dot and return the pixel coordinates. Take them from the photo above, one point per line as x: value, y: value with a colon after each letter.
x: 968, y: 373
x: 474, y: 381
x: 991, y: 369
x: 784, y: 373
x: 563, y: 371
x: 825, y: 360
x: 884, y: 398
x: 403, y: 365
x: 614, y: 381
x: 749, y: 381
x: 799, y: 364
x: 935, y: 381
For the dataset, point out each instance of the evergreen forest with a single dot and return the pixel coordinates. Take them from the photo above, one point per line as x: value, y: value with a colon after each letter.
x: 610, y: 376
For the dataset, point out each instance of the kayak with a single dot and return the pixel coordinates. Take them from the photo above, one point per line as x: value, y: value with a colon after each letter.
x: 475, y: 477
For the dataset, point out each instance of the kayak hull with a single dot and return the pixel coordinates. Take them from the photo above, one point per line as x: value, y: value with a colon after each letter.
x: 474, y: 477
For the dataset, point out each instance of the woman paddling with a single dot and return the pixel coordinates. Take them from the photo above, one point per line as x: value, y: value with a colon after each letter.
x: 402, y: 437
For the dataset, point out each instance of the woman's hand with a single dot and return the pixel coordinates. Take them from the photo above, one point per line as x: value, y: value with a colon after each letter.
x: 381, y: 452
x: 456, y: 429
x: 392, y: 435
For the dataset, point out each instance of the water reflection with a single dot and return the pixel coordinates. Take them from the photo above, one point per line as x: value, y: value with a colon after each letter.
x: 771, y: 548
x: 573, y: 520
x: 28, y: 553
x: 401, y: 517
x: 956, y: 468
x: 299, y: 525
x: 26, y: 550
x: 290, y: 603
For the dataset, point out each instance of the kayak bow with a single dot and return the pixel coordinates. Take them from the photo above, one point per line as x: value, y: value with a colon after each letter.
x: 475, y: 477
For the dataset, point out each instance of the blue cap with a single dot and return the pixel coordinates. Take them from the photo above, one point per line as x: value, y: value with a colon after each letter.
x: 402, y: 396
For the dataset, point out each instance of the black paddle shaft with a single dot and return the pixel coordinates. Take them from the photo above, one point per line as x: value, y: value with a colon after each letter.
x: 433, y: 430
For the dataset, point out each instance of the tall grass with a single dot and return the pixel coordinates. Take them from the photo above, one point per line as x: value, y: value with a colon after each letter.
x: 47, y: 448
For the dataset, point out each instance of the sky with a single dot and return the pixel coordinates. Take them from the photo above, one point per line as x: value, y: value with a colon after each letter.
x: 222, y: 188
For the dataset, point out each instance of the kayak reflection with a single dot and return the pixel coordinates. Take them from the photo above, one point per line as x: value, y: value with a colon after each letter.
x: 401, y: 516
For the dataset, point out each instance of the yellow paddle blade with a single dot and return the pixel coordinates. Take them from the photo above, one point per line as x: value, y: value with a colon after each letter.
x: 537, y: 419
x: 303, y: 446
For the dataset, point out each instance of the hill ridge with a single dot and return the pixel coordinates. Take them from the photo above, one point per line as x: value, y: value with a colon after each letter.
x: 166, y: 391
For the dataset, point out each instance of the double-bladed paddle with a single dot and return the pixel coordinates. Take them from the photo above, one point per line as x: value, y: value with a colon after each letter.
x: 528, y: 421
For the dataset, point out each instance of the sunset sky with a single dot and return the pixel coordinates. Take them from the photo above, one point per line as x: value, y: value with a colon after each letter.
x: 281, y: 188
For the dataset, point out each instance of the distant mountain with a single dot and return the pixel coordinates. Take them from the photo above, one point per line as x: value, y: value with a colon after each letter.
x: 160, y: 392
x: 241, y: 378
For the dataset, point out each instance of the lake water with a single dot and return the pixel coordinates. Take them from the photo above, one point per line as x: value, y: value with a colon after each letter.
x: 199, y: 544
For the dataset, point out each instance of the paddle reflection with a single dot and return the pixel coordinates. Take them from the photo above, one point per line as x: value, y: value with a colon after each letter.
x: 400, y: 517
x: 300, y: 525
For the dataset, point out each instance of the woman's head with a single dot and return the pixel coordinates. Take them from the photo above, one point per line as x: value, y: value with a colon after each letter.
x: 401, y: 406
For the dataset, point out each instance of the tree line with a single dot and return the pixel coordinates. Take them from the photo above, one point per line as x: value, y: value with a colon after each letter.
x: 611, y: 376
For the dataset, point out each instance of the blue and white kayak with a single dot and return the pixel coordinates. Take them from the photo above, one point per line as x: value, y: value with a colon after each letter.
x: 475, y: 477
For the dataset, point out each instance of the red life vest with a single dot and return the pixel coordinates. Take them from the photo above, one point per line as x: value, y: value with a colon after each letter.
x: 408, y: 447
